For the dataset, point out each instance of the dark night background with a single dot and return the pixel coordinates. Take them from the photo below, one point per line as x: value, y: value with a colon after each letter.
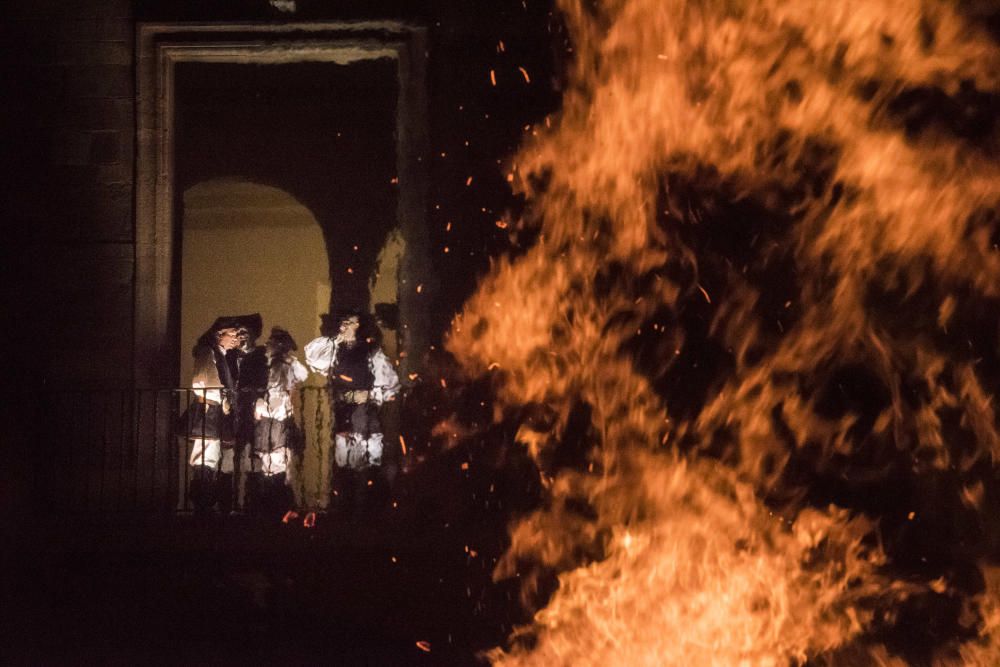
x: 121, y: 586
x: 323, y: 133
x: 84, y: 587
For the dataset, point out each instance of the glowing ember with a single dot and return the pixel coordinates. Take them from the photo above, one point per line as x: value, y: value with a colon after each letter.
x: 765, y: 280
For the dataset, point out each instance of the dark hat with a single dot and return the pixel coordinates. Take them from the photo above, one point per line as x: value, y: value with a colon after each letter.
x: 330, y: 322
x: 328, y: 325
x: 252, y: 323
x: 282, y: 340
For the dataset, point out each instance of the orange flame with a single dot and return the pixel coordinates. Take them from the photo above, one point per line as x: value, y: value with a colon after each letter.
x: 787, y: 105
x: 707, y: 577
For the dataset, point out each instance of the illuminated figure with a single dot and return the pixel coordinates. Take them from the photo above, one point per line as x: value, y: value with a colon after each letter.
x: 251, y: 384
x: 217, y: 421
x: 361, y: 378
x: 275, y: 431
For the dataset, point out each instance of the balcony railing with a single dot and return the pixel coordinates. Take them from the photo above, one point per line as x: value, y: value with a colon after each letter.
x: 111, y: 451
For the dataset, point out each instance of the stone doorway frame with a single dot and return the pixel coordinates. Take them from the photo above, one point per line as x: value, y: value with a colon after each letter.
x: 159, y: 47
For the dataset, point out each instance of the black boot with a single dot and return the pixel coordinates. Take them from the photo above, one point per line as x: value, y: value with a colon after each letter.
x: 362, y: 496
x: 202, y: 489
x: 344, y: 493
x: 255, y: 498
x: 277, y: 496
x: 225, y: 494
x: 378, y: 492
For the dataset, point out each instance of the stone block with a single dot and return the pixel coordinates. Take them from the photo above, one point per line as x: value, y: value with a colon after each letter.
x: 101, y: 212
x: 92, y: 364
x: 70, y: 147
x: 30, y: 227
x: 100, y: 113
x: 105, y: 147
x: 69, y: 9
x: 77, y: 301
x: 48, y: 82
x: 71, y: 180
x: 32, y: 41
x: 86, y: 269
x: 94, y: 29
x: 104, y: 52
x: 111, y: 222
x: 117, y: 172
x: 100, y: 81
x: 85, y: 203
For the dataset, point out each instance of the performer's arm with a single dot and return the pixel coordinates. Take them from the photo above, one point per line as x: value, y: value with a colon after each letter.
x: 299, y: 371
x: 205, y: 392
x: 320, y: 354
x: 386, y: 384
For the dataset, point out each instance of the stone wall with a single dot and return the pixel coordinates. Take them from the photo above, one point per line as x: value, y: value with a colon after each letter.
x: 69, y: 212
x: 69, y: 159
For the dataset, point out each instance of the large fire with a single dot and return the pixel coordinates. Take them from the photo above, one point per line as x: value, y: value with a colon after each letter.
x: 766, y: 263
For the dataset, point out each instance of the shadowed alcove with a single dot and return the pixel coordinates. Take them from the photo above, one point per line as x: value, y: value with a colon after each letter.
x: 331, y: 116
x: 324, y: 133
x: 267, y: 247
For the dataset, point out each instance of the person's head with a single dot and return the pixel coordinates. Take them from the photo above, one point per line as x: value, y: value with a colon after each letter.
x: 230, y: 338
x: 280, y: 342
x: 247, y: 338
x: 231, y: 332
x: 357, y: 325
x: 347, y: 326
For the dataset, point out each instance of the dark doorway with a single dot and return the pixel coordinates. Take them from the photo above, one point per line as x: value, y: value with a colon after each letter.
x: 322, y: 133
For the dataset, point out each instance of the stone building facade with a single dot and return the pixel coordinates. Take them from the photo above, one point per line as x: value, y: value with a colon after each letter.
x: 73, y: 179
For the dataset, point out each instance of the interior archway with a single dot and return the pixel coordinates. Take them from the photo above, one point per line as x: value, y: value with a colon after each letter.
x: 248, y: 248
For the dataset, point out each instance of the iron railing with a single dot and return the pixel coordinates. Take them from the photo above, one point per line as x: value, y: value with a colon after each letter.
x: 104, y: 451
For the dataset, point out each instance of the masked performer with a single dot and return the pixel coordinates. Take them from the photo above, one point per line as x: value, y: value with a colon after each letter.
x: 211, y: 426
x: 275, y: 431
x: 361, y: 378
x: 251, y: 384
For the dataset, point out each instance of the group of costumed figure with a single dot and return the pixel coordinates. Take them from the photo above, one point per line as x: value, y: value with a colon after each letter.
x: 242, y: 417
